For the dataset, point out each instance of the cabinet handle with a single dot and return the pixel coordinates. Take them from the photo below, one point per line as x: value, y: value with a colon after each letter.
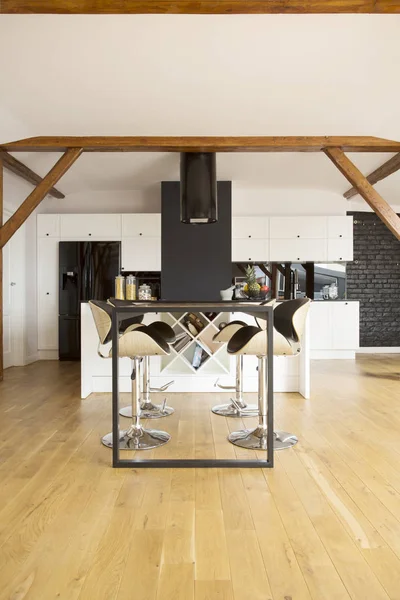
x: 47, y: 293
x: 249, y: 236
x: 298, y: 236
x: 340, y: 258
x: 340, y: 235
x: 346, y: 303
x: 47, y: 234
x: 90, y: 234
x: 140, y: 233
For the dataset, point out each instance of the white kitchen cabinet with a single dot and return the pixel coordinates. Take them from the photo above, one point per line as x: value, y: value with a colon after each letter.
x: 345, y: 325
x: 246, y: 250
x: 340, y: 249
x: 250, y: 228
x: 141, y: 254
x: 298, y: 250
x: 334, y: 329
x: 320, y: 326
x: 298, y: 227
x: 48, y: 293
x: 48, y: 225
x: 90, y: 227
x: 146, y: 225
x: 340, y: 227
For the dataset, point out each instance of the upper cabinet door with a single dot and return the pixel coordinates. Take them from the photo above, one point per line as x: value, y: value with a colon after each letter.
x: 298, y: 227
x: 250, y: 228
x: 340, y: 227
x: 298, y: 250
x: 48, y: 225
x: 146, y: 225
x: 340, y: 249
x: 250, y: 250
x: 91, y: 227
x: 141, y: 254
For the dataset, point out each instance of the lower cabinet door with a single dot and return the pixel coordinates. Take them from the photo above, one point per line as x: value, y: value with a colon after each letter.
x: 141, y: 254
x: 345, y: 325
x: 47, y: 321
x: 340, y: 249
x: 247, y: 250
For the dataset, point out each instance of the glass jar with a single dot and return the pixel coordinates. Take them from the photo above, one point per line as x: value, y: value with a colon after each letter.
x: 130, y: 288
x: 120, y: 287
x: 144, y: 292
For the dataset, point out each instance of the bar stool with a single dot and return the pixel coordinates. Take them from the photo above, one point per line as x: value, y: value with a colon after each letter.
x: 289, y: 323
x: 148, y: 409
x: 136, y: 341
x: 237, y: 406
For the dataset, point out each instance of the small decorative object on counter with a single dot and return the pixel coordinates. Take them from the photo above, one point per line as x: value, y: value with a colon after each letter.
x: 131, y: 287
x: 120, y: 287
x: 253, y: 288
x: 227, y: 294
x: 144, y: 292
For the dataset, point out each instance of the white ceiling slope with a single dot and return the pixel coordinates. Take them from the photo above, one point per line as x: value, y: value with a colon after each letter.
x: 201, y: 75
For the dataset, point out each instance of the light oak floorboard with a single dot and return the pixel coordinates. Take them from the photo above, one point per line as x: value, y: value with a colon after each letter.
x: 323, y: 525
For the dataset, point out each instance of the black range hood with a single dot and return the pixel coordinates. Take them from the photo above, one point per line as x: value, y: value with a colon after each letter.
x: 198, y: 195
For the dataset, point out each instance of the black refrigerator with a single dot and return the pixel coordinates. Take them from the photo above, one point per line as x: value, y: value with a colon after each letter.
x: 87, y: 271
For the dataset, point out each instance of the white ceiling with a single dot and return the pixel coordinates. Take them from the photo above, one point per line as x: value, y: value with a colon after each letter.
x: 202, y: 75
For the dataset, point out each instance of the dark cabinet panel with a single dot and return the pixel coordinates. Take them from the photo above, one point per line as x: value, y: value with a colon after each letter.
x: 196, y: 259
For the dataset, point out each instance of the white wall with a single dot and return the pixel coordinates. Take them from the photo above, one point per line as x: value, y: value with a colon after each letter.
x: 245, y: 201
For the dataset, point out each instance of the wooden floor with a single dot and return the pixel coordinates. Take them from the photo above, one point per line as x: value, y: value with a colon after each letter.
x: 324, y: 524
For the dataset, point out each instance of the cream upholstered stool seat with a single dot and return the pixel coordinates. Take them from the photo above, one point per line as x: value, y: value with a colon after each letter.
x: 237, y: 407
x: 136, y: 341
x: 289, y: 323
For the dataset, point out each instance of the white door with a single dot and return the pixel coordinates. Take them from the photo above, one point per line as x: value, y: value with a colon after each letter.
x: 13, y: 299
x: 345, y: 325
x: 250, y: 227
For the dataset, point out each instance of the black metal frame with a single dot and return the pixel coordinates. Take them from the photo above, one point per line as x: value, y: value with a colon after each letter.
x: 140, y: 308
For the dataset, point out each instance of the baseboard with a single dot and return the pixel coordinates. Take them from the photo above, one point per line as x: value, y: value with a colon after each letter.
x: 31, y: 359
x: 48, y: 354
x: 333, y: 354
x: 379, y: 350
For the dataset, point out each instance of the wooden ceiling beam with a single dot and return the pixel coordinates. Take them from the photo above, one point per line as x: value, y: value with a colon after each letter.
x: 198, y: 6
x: 37, y: 195
x: 204, y: 144
x: 18, y: 168
x: 365, y: 189
x: 389, y: 167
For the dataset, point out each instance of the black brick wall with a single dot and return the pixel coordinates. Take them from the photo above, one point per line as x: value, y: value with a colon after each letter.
x: 373, y: 278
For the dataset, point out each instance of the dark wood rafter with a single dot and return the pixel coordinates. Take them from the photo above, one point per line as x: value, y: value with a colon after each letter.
x: 288, y: 281
x: 365, y: 189
x: 35, y: 197
x: 15, y: 166
x: 310, y: 278
x: 227, y: 7
x: 241, y: 268
x: 204, y: 144
x: 281, y: 268
x: 274, y: 281
x: 264, y: 269
x: 389, y: 167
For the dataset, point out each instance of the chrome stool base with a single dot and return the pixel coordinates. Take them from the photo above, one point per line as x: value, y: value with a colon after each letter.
x: 256, y: 439
x: 148, y: 410
x: 230, y: 410
x: 138, y: 439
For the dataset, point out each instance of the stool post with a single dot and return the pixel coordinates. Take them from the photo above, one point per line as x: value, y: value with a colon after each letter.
x: 146, y: 380
x: 135, y: 377
x: 262, y: 393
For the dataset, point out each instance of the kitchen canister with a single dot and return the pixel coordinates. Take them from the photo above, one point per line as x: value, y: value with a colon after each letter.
x: 130, y: 287
x: 144, y: 292
x: 120, y: 287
